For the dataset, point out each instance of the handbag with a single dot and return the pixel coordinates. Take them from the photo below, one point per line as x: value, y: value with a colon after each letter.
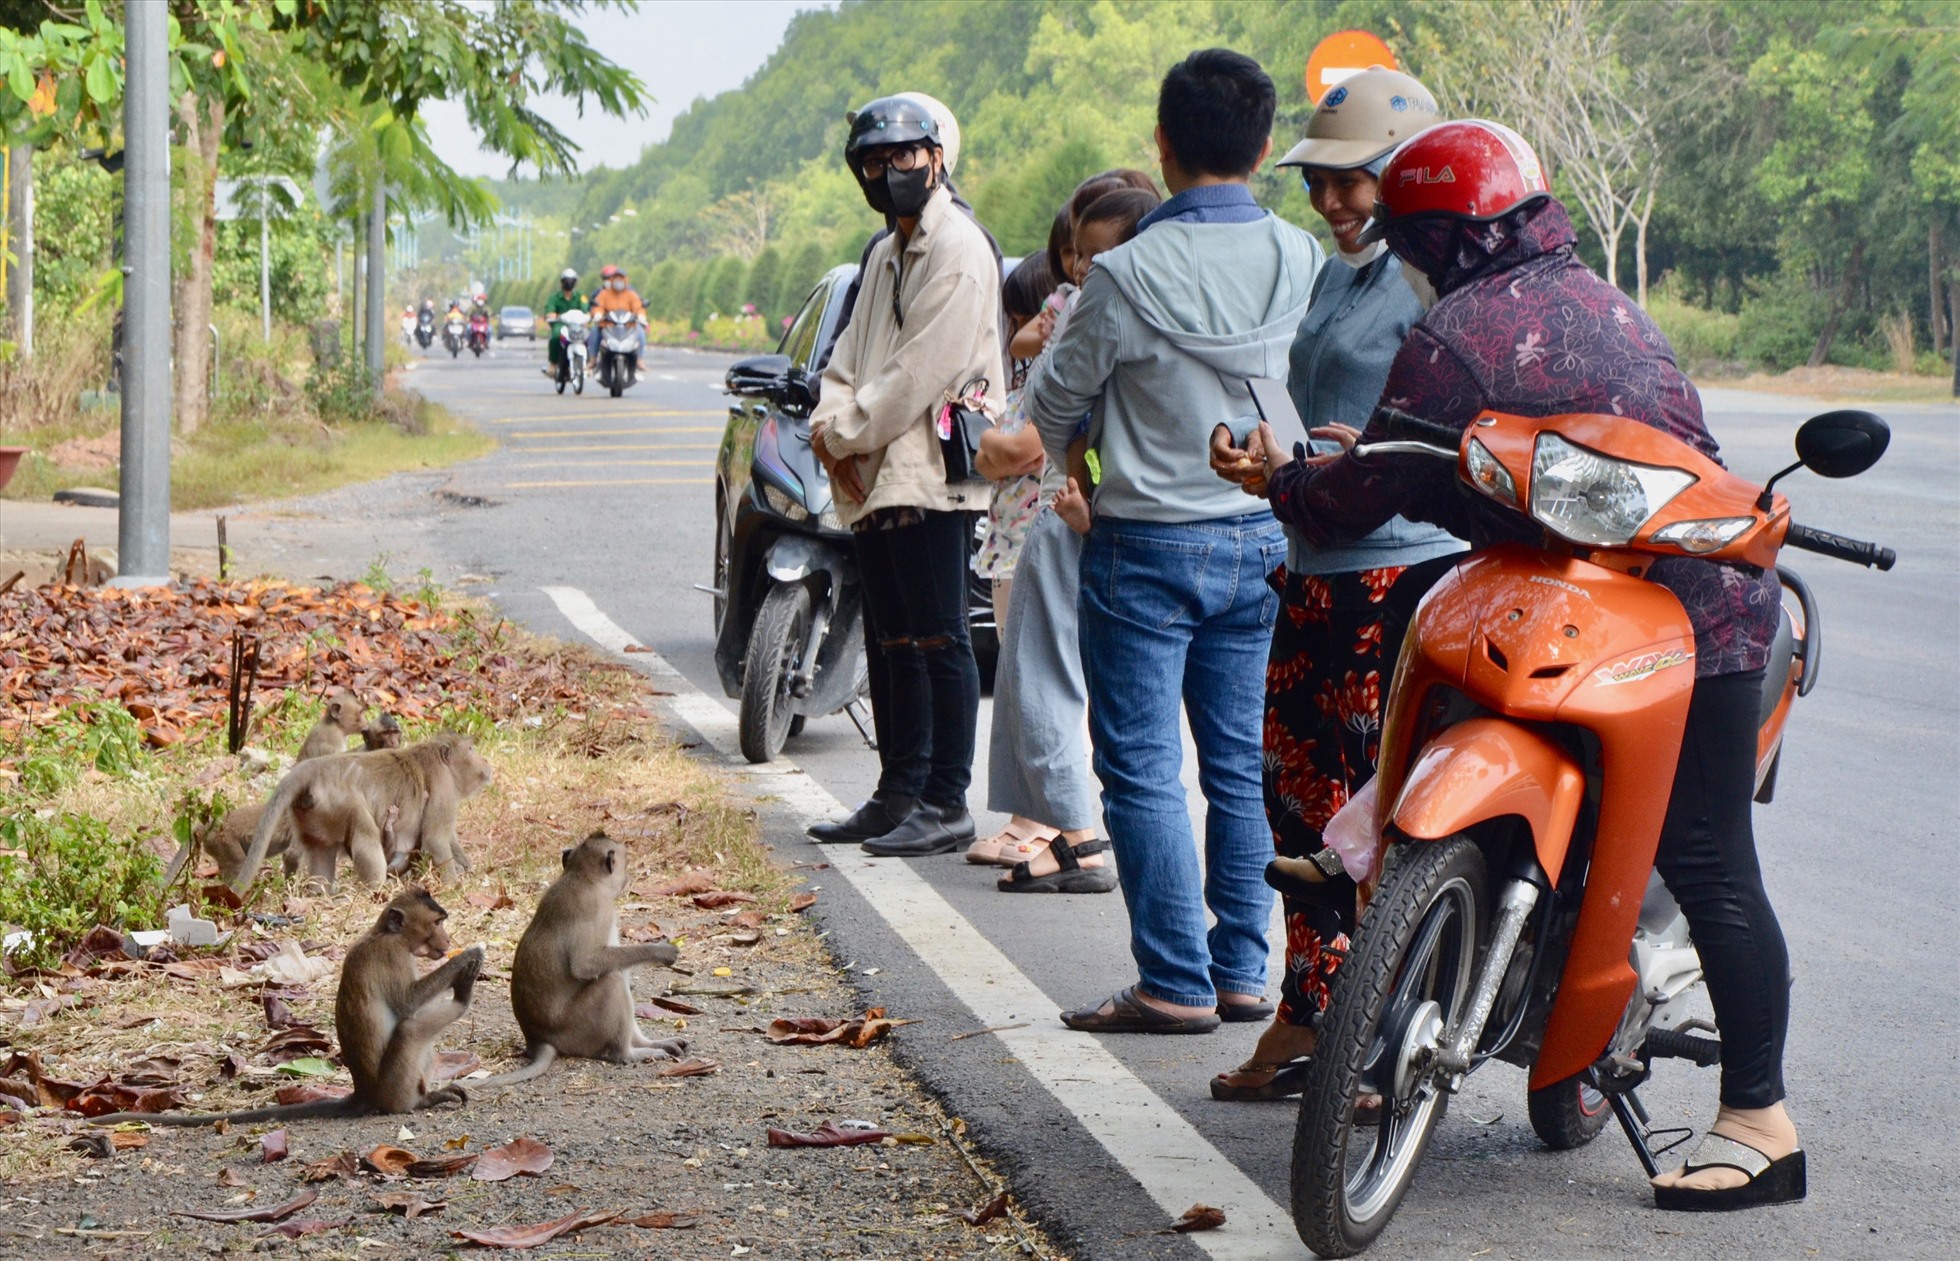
x: 962, y: 421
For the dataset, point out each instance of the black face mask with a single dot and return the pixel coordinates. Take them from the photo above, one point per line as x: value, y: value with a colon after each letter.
x: 566, y: 285
x: 908, y: 191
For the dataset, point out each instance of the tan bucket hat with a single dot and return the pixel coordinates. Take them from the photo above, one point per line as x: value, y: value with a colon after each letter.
x: 1362, y: 117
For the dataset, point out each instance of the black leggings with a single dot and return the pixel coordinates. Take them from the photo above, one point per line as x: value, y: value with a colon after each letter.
x: 915, y: 603
x: 1708, y: 859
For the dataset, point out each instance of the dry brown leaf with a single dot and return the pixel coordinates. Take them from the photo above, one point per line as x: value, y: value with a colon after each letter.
x: 301, y: 1227
x: 409, y: 1204
x: 1197, y: 1217
x: 542, y: 1233
x: 449, y: 1065
x: 664, y: 1221
x: 342, y: 1167
x: 441, y: 1166
x: 274, y: 1146
x: 829, y: 1134
x: 309, y: 1092
x: 715, y: 899
x: 803, y: 901
x: 228, y: 1177
x: 388, y: 1160
x: 691, y: 1068
x: 524, y: 1155
x: 277, y: 1212
x: 681, y: 886
x: 992, y: 1209
x: 674, y: 1005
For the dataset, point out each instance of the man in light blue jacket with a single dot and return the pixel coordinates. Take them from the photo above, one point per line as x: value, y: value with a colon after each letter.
x: 1175, y: 605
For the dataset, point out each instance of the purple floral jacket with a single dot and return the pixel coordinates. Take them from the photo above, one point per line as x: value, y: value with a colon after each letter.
x: 1526, y: 328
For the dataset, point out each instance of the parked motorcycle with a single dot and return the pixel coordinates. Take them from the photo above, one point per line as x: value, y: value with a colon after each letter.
x: 571, y: 343
x: 425, y: 329
x: 621, y: 339
x: 1528, y: 753
x: 479, y: 333
x: 789, y: 608
x: 455, y: 332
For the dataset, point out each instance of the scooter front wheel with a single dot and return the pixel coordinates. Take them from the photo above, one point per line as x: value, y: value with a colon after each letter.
x: 1397, y: 999
x: 775, y: 645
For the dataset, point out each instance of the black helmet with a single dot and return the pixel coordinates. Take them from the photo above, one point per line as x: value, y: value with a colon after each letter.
x: 891, y: 120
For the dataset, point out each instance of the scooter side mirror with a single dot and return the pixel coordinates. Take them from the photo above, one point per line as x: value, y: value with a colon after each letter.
x: 800, y: 391
x: 760, y: 376
x: 1842, y: 443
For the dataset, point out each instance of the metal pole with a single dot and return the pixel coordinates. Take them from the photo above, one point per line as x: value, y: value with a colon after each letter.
x: 377, y: 295
x: 265, y: 268
x: 144, y: 528
x: 20, y: 238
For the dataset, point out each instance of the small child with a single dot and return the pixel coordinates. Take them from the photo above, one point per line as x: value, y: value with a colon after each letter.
x: 1106, y: 223
x: 1016, y: 496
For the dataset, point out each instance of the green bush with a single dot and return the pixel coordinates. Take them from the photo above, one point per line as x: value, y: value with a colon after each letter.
x: 1780, y: 320
x: 95, y: 735
x: 750, y: 333
x: 1703, y: 340
x: 62, y: 875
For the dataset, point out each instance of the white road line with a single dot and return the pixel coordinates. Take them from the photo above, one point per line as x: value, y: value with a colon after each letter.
x: 1165, y: 1154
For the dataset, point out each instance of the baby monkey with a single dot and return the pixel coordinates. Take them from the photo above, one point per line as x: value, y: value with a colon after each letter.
x: 568, y: 983
x: 386, y: 1017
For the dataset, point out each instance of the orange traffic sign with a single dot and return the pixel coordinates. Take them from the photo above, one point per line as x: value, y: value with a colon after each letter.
x: 1341, y: 54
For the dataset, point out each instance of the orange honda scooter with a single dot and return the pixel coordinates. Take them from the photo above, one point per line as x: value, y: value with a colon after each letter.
x: 1527, y: 756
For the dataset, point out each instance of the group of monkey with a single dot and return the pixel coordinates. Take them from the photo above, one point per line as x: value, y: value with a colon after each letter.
x: 568, y: 983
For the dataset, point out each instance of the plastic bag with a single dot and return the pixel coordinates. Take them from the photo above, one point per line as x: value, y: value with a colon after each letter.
x: 1355, y: 832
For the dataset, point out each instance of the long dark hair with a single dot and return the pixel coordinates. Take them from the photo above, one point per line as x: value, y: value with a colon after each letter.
x: 1026, y: 287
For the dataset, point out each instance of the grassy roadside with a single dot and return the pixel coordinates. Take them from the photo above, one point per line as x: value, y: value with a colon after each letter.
x: 88, y: 796
x: 1837, y: 384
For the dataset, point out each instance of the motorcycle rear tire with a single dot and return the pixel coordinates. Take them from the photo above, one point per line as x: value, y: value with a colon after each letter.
x: 767, y: 712
x: 1420, y: 940
x: 1568, y: 1114
x: 578, y: 379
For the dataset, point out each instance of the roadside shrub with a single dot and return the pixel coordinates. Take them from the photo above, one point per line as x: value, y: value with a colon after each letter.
x: 62, y: 875
x: 1780, y: 320
x: 92, y: 735
x: 749, y: 333
x: 1703, y: 340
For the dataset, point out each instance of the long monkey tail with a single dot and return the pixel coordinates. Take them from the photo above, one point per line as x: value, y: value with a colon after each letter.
x: 543, y: 1056
x: 345, y: 1106
x: 276, y: 808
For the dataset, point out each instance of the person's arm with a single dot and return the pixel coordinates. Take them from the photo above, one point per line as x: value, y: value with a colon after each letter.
x: 912, y: 379
x: 1079, y: 364
x: 1343, y: 498
x: 1003, y: 455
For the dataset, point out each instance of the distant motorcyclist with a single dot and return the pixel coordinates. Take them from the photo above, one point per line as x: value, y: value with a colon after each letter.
x: 408, y: 325
x: 567, y: 298
x: 614, y: 294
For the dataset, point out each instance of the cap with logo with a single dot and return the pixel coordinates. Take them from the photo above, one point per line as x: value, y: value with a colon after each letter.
x: 1363, y: 117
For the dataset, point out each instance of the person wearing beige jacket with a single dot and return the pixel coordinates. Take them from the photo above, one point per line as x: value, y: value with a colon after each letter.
x: 925, y: 328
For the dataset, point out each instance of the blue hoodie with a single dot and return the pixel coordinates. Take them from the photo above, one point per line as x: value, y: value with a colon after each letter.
x: 1167, y: 330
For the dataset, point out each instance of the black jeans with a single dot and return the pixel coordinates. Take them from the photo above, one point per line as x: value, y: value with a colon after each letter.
x: 915, y: 604
x: 1708, y: 859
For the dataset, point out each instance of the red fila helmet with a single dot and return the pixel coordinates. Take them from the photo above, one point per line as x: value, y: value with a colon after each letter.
x: 1472, y: 169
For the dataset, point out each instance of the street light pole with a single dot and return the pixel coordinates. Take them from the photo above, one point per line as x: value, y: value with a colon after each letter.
x: 265, y: 268
x: 144, y: 526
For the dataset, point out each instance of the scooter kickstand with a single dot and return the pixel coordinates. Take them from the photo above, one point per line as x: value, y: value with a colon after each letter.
x: 855, y: 712
x: 1623, y: 1106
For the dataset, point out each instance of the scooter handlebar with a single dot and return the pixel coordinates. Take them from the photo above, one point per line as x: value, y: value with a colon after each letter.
x: 1825, y: 543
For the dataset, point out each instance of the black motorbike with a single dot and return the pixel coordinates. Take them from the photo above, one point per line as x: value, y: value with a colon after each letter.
x: 788, y: 608
x: 425, y: 329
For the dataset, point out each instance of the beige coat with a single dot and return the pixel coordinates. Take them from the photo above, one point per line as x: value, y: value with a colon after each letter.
x: 887, y: 380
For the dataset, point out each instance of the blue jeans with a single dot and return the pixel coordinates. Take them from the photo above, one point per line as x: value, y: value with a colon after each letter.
x: 1176, y: 613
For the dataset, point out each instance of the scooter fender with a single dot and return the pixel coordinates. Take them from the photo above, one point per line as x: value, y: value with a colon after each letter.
x: 794, y: 557
x: 1487, y: 768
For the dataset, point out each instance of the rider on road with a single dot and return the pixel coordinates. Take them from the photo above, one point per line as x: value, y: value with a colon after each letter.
x: 567, y: 298
x: 1522, y: 326
x: 614, y: 294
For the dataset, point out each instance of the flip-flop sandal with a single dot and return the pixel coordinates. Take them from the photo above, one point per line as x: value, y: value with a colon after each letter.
x: 1130, y: 1014
x: 994, y: 851
x: 1071, y: 877
x: 1244, y: 1014
x: 1781, y: 1181
x: 1286, y: 1082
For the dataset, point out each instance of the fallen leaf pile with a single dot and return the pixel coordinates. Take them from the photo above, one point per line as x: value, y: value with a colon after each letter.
x: 166, y: 653
x: 820, y: 1031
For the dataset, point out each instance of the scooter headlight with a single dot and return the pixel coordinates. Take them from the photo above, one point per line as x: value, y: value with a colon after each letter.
x: 782, y: 505
x: 1595, y: 499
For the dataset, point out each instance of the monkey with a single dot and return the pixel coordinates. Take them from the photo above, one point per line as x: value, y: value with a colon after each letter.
x: 386, y: 1018
x: 568, y: 982
x: 225, y: 839
x: 342, y: 719
x: 338, y: 804
x: 386, y: 733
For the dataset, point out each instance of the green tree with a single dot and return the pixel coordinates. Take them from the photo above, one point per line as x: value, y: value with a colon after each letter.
x: 764, y: 278
x: 800, y: 275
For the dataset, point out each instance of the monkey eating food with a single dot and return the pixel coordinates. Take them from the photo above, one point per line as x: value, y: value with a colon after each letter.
x: 341, y: 805
x: 568, y: 983
x: 386, y: 1018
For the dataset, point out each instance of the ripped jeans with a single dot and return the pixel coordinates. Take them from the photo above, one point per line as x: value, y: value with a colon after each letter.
x: 914, y: 577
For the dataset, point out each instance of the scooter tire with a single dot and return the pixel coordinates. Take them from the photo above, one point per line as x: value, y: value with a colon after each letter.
x: 562, y: 382
x: 1429, y: 904
x: 1568, y: 1114
x: 777, y: 636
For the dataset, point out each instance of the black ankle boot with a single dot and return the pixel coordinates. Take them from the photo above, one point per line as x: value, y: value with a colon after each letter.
x: 874, y: 818
x: 929, y: 829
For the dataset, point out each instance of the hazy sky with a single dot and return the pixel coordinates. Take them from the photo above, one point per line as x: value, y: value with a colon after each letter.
x: 681, y: 49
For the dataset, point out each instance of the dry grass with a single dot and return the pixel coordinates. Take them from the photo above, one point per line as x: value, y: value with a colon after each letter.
x: 1833, y: 384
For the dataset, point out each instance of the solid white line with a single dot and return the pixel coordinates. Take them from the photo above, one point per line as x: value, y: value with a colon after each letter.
x: 1167, y: 1155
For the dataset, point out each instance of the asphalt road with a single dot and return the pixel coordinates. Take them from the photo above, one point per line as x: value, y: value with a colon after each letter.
x: 614, y: 497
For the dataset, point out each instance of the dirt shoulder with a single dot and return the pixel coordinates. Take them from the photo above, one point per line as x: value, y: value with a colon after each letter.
x: 687, y: 1156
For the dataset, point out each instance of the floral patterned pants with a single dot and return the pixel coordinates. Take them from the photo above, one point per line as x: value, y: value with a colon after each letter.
x: 1334, y: 647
